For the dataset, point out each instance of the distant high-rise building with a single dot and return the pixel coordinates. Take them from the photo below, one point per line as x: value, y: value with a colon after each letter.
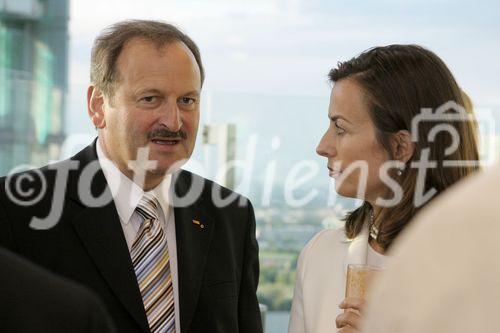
x: 33, y: 80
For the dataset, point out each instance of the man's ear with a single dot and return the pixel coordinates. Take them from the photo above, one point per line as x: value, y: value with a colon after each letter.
x: 95, y: 107
x: 402, y: 146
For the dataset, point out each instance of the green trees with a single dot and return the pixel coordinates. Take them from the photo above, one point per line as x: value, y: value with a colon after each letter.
x: 277, y: 279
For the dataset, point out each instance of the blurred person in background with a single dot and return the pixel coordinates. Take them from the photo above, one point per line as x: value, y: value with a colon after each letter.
x: 445, y: 272
x: 375, y: 99
x: 35, y: 300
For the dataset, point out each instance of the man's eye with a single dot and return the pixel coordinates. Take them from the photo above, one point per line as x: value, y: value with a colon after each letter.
x: 149, y: 99
x: 187, y: 100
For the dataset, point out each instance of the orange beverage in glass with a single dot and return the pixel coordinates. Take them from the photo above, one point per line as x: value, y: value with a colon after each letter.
x: 359, y: 278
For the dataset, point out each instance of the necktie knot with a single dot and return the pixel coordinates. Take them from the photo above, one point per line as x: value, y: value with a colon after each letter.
x: 148, y: 207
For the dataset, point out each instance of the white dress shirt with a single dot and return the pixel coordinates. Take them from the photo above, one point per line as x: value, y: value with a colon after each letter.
x: 126, y: 195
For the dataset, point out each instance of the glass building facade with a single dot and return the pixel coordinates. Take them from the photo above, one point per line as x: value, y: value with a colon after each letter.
x: 33, y: 80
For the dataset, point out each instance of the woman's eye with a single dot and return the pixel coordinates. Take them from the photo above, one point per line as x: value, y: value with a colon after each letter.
x: 339, y: 130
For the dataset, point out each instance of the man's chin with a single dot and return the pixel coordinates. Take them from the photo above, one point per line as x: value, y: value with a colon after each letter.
x: 168, y: 168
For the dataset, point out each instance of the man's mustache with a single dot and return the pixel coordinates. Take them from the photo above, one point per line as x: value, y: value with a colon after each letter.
x: 166, y: 133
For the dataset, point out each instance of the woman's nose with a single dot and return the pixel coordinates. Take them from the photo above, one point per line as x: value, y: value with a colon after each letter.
x: 325, y: 146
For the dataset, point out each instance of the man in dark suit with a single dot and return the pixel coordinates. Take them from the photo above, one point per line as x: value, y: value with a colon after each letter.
x: 34, y: 300
x: 166, y: 250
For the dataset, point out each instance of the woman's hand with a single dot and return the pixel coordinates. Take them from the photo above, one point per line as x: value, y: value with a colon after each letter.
x: 350, y: 320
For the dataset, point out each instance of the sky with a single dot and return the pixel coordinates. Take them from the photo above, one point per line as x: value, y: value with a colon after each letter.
x: 278, y: 47
x: 267, y: 61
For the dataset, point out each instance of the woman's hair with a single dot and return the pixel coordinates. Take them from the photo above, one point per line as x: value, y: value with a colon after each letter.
x: 401, y: 81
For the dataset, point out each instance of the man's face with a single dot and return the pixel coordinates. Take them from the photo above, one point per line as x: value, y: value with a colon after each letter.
x: 155, y: 105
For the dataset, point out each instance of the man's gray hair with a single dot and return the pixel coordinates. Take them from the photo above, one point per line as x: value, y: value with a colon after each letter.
x: 109, y: 44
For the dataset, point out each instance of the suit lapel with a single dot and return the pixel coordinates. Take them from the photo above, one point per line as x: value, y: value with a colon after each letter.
x: 101, y: 233
x: 194, y: 229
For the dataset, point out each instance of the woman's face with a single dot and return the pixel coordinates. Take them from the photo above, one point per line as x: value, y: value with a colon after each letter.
x: 350, y: 144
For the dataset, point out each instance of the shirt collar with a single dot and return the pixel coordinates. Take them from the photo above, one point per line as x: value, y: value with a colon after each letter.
x: 162, y: 193
x: 126, y: 193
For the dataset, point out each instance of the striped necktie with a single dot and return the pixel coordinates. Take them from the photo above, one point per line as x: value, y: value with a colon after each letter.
x: 152, y: 268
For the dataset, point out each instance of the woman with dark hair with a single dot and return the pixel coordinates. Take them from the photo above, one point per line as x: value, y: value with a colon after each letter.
x: 400, y: 133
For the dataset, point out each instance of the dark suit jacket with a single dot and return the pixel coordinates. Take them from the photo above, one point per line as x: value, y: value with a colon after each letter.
x: 34, y: 300
x: 217, y: 263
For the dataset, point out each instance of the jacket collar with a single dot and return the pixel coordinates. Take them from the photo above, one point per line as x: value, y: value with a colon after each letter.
x: 100, y: 231
x: 194, y: 229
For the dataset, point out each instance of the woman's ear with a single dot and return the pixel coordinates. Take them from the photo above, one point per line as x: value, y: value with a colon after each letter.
x: 402, y: 146
x: 95, y: 107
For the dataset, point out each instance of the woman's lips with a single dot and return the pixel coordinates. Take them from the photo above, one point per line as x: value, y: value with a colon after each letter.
x: 334, y: 173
